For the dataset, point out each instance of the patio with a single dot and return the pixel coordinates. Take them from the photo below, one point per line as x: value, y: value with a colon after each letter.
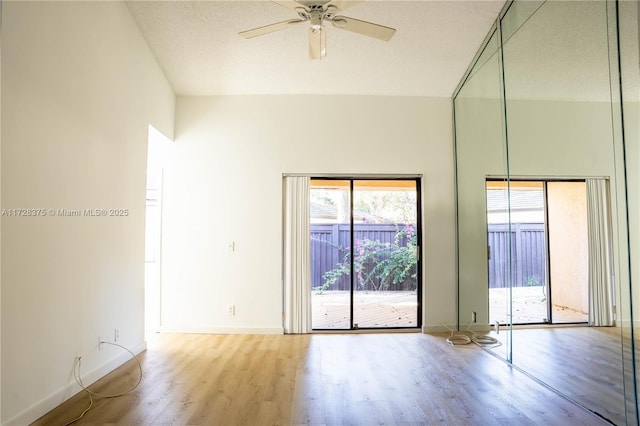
x: 392, y: 309
x: 371, y: 309
x: 529, y: 307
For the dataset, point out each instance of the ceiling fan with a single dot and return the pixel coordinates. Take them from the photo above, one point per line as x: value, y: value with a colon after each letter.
x: 317, y: 12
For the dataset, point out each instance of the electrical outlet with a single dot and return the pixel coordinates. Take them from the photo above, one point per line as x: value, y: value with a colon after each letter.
x: 231, y: 310
x: 116, y: 335
x: 99, y: 343
x: 473, y: 317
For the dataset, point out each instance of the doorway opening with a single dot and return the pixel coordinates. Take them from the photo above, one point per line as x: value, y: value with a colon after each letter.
x: 157, y: 152
x: 377, y: 283
x: 541, y: 225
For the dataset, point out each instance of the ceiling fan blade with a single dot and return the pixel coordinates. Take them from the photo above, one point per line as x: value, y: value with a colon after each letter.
x: 317, y: 43
x: 343, y: 4
x: 269, y: 28
x: 289, y: 4
x: 363, y: 27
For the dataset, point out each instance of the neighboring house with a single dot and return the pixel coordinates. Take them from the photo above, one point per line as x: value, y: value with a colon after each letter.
x: 520, y: 206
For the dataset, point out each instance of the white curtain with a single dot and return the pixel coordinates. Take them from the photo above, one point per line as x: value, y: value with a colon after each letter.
x: 601, y: 297
x: 297, y: 256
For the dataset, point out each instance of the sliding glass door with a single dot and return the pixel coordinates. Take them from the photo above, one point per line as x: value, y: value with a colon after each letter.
x: 539, y: 252
x: 331, y: 254
x: 376, y: 284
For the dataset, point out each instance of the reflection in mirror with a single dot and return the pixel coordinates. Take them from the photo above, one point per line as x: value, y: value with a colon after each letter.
x: 539, y: 250
x: 541, y: 125
x: 516, y: 15
x: 559, y: 123
x: 480, y: 151
x: 628, y: 16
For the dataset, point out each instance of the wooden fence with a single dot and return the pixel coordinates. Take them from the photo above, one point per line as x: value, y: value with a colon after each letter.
x: 330, y: 243
x: 528, y: 254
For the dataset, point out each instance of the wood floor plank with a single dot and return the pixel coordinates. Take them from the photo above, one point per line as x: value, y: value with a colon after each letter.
x: 361, y: 379
x: 584, y: 363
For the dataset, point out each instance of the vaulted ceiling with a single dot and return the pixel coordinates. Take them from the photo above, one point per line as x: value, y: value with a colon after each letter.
x: 198, y: 46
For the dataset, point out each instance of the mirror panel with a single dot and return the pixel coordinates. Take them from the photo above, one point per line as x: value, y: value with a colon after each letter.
x: 628, y: 18
x: 559, y: 124
x: 516, y: 15
x: 480, y: 152
x: 554, y: 98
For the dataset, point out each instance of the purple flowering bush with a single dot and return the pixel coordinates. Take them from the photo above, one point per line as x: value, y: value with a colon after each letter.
x: 380, y: 266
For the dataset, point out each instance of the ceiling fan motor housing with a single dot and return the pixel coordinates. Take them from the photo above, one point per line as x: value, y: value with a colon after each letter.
x: 316, y: 16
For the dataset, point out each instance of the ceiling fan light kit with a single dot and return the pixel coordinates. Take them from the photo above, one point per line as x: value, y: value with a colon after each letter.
x: 317, y: 12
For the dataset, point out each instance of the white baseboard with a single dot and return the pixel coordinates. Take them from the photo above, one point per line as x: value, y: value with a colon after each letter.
x: 220, y: 330
x: 47, y: 404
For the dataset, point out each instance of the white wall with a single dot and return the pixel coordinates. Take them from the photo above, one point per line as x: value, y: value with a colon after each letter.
x: 79, y: 89
x: 568, y: 245
x: 632, y: 138
x: 560, y: 138
x: 224, y: 183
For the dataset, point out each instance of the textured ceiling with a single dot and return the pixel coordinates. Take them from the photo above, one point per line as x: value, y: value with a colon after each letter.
x: 198, y: 47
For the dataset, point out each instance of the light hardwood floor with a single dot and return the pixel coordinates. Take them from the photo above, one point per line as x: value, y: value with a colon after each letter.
x: 584, y: 363
x: 328, y: 379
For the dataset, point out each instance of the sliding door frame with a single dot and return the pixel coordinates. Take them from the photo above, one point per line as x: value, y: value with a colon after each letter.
x: 355, y: 178
x: 544, y: 180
